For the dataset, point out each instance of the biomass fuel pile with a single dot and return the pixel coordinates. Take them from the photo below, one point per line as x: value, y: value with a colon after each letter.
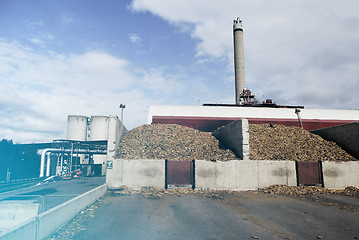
x: 171, y: 142
x: 277, y: 142
x: 267, y: 142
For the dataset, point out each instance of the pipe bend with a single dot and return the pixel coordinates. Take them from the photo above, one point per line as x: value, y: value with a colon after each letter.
x: 56, y: 150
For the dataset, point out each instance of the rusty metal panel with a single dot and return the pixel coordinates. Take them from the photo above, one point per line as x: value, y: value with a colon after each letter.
x: 209, y: 124
x: 192, y: 173
x: 309, y: 173
x: 179, y: 173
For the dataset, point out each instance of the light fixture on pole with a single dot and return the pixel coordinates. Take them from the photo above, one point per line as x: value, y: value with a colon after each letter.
x: 122, y: 106
x: 297, y: 111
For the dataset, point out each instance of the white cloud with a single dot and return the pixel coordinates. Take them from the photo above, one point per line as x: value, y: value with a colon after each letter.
x: 39, y: 89
x: 293, y: 49
x: 135, y: 38
x: 40, y: 39
x: 157, y: 80
x: 203, y: 20
x: 67, y: 18
x: 34, y: 23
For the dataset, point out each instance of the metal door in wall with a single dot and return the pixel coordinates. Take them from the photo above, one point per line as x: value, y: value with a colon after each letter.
x: 179, y: 174
x: 309, y: 173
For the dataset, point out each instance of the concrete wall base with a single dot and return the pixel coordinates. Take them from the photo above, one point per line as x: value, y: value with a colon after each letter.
x: 13, y: 213
x: 243, y: 175
x: 235, y: 175
x: 136, y: 174
x: 339, y: 175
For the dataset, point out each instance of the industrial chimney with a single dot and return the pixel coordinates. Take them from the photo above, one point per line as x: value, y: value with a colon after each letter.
x: 238, y: 59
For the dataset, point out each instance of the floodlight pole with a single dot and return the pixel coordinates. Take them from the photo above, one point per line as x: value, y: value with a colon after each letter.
x: 122, y: 106
x: 297, y: 111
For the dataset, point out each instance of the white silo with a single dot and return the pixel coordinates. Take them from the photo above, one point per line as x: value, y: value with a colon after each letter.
x: 99, y: 132
x: 76, y: 128
x: 77, y: 131
x: 99, y: 128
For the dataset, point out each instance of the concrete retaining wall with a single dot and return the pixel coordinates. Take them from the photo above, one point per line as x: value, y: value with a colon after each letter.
x: 338, y: 175
x: 346, y: 136
x: 136, y: 174
x: 237, y: 175
x: 235, y: 136
x: 26, y: 230
x: 115, y: 132
x: 48, y: 222
x: 15, y: 212
x: 243, y: 175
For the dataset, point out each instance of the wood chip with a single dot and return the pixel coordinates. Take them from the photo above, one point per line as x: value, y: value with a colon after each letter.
x: 171, y: 142
x: 277, y: 142
x: 266, y: 141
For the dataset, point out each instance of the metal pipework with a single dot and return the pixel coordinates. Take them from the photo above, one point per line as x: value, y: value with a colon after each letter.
x: 238, y: 59
x: 48, y: 151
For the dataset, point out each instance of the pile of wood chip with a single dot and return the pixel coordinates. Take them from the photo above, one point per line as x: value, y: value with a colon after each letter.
x: 266, y: 141
x: 150, y: 192
x: 171, y: 142
x: 306, y: 190
x: 277, y: 142
x: 221, y: 194
x: 153, y: 193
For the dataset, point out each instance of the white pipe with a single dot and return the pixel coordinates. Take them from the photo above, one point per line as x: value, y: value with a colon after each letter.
x: 71, y: 155
x: 62, y: 160
x: 58, y: 165
x: 42, y: 164
x: 54, y: 150
x: 48, y: 164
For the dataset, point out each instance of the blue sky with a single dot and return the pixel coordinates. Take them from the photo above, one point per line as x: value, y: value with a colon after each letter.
x: 86, y: 57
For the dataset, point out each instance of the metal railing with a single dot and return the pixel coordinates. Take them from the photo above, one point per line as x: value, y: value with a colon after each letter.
x: 16, y: 184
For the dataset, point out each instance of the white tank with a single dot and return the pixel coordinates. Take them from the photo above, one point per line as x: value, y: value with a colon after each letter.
x: 99, y: 128
x: 98, y: 132
x: 76, y: 128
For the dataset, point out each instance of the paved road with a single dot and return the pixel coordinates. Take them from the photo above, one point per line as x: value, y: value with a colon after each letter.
x: 239, y: 216
x: 189, y: 217
x: 54, y: 193
x: 291, y: 218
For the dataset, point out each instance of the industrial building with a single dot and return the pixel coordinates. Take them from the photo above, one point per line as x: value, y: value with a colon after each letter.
x: 84, y: 149
x: 211, y: 116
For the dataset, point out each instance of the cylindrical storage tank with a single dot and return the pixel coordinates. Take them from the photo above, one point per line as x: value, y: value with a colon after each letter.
x: 76, y: 128
x: 99, y: 128
x: 99, y: 132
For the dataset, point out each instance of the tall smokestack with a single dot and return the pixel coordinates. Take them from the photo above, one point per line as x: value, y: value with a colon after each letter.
x: 238, y: 59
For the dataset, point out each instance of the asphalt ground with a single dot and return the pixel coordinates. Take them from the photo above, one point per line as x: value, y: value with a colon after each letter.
x: 18, y: 184
x: 51, y: 194
x: 214, y: 215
